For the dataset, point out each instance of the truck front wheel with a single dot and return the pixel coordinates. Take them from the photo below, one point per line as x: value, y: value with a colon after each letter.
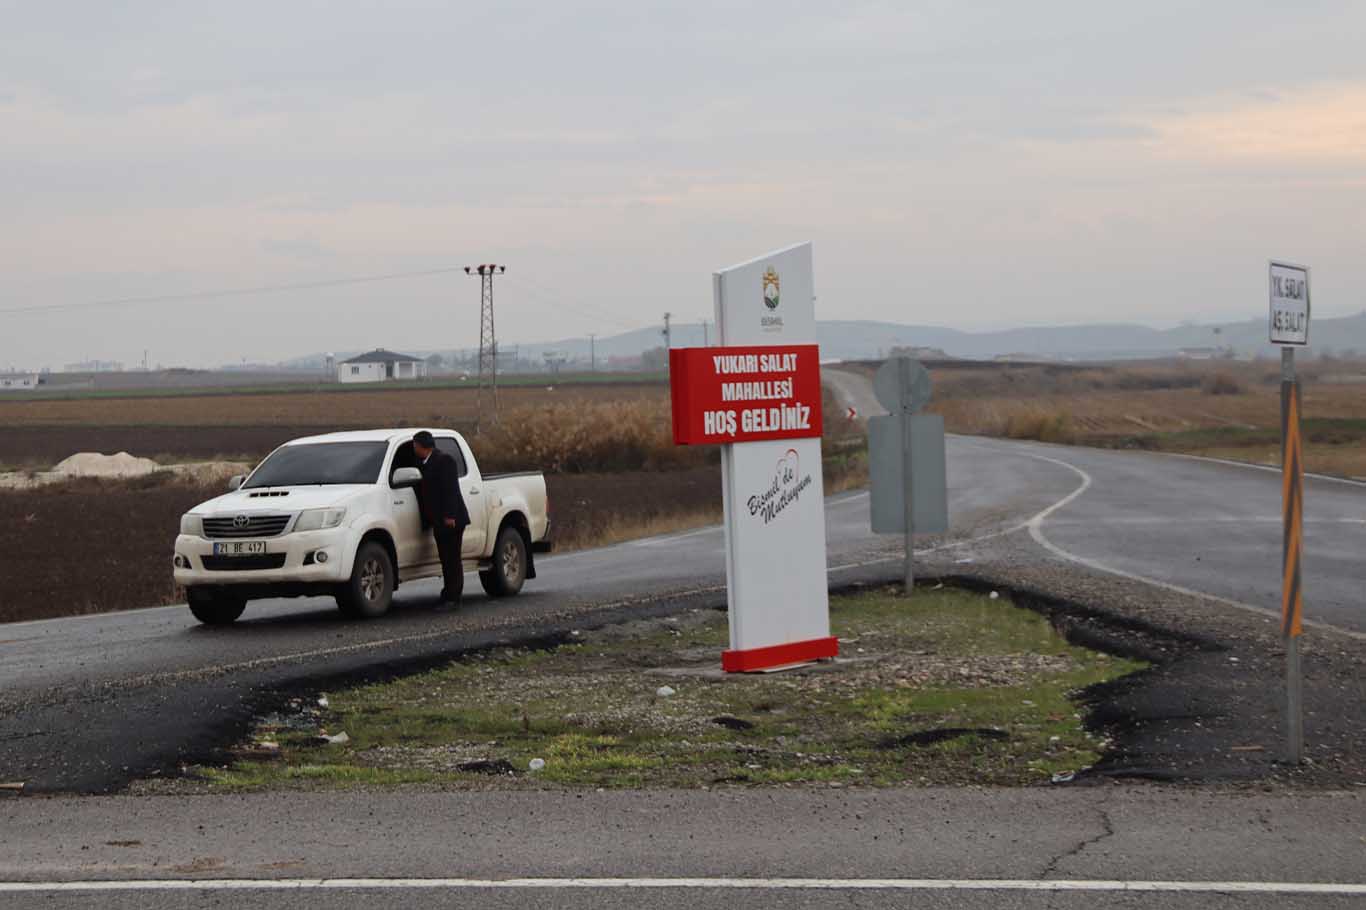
x: 370, y: 591
x: 508, y: 573
x: 214, y: 609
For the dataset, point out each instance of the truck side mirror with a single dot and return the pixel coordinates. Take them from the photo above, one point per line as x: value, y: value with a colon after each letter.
x: 405, y: 477
x: 235, y: 482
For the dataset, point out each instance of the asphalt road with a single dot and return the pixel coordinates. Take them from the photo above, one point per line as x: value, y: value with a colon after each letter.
x: 69, y: 688
x: 89, y: 703
x: 1207, y: 527
x: 695, y: 849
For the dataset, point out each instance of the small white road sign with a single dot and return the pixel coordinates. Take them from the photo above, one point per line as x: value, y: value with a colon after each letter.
x: 1289, y: 304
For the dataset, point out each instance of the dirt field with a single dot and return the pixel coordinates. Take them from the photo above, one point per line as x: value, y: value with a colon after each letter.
x: 89, y: 546
x: 38, y: 447
x: 613, y: 474
x: 335, y: 407
x: 94, y: 546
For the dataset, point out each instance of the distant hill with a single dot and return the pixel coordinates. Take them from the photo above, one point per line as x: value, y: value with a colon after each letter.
x: 856, y: 339
x: 861, y: 339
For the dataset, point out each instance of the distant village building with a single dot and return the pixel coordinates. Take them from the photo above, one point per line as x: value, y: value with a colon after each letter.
x: 94, y: 366
x: 19, y: 382
x: 1023, y: 357
x: 1203, y: 353
x: 920, y: 352
x: 380, y: 365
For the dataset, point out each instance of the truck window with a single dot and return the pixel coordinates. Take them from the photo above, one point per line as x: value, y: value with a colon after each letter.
x: 451, y: 447
x: 320, y: 464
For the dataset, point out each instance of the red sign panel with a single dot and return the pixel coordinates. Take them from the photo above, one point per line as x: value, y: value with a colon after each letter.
x: 745, y: 394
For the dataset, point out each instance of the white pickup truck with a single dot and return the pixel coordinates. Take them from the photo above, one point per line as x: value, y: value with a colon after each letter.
x: 338, y: 515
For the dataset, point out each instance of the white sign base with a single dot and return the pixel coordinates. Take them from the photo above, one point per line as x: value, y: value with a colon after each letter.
x: 776, y: 583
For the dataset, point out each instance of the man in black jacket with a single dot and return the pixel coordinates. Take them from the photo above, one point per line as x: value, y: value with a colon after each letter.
x: 443, y: 510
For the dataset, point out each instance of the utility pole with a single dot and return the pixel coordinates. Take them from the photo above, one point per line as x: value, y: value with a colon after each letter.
x: 706, y: 342
x: 592, y: 353
x: 668, y: 332
x: 488, y: 346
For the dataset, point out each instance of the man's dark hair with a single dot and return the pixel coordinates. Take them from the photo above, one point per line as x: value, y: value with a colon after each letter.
x: 425, y: 439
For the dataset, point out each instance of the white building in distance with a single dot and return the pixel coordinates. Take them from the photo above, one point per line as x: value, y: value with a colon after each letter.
x: 380, y: 365
x: 18, y: 382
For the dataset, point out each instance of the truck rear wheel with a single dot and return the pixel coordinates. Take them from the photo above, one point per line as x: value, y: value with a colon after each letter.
x: 370, y: 592
x: 215, y: 609
x: 508, y: 573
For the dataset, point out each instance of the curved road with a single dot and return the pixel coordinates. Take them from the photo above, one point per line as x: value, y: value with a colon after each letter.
x: 88, y: 702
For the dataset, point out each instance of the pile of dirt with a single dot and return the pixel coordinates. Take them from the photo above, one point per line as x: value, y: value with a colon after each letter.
x: 94, y: 464
x: 122, y: 467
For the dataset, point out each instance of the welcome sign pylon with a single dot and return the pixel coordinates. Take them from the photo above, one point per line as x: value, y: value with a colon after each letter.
x: 758, y: 395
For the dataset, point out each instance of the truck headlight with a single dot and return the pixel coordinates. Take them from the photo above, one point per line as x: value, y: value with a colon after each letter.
x: 319, y: 519
x: 192, y: 525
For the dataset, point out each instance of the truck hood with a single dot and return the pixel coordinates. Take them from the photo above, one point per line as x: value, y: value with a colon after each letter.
x: 294, y: 499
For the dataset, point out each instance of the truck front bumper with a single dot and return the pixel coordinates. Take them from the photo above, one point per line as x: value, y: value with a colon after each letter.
x: 310, y: 558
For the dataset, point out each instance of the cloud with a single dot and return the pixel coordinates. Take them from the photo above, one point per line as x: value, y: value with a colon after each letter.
x: 1311, y: 127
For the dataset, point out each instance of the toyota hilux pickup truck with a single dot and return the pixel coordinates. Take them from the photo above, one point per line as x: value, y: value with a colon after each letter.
x: 338, y: 515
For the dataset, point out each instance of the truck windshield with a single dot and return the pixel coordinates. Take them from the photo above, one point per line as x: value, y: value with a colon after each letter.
x: 322, y: 463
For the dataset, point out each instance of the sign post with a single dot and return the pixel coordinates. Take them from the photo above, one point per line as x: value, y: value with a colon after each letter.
x: 906, y: 461
x: 903, y: 372
x: 759, y: 397
x: 1289, y: 285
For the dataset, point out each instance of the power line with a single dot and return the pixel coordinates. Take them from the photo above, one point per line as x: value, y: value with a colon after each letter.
x: 234, y: 292
x: 557, y: 300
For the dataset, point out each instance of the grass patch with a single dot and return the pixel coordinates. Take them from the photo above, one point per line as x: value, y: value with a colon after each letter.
x: 948, y: 687
x: 1332, y: 445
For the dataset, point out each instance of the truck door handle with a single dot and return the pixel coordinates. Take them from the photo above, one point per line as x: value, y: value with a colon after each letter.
x: 474, y: 492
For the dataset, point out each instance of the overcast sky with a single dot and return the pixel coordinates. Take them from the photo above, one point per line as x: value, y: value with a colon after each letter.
x: 959, y: 163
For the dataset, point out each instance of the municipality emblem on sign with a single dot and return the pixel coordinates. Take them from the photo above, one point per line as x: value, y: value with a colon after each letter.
x: 771, y: 288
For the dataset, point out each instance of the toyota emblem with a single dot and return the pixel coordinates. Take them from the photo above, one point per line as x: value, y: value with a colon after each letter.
x: 241, y: 521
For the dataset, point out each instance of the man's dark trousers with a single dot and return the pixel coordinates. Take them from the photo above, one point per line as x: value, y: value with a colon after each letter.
x: 440, y: 500
x: 448, y: 545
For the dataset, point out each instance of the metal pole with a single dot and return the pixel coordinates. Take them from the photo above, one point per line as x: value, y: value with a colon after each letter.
x: 1293, y: 505
x: 904, y: 385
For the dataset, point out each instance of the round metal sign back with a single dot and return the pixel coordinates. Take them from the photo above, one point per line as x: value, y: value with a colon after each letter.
x: 887, y: 385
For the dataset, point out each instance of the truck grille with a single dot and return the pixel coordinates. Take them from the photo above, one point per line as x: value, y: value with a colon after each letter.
x: 243, y: 563
x: 228, y: 527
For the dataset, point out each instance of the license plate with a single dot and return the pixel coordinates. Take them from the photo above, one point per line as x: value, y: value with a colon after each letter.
x: 240, y: 548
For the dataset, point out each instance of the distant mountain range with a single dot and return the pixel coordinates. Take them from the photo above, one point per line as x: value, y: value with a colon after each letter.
x: 859, y: 339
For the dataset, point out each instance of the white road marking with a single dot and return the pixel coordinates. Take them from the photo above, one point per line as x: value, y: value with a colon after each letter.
x: 1222, y: 519
x: 1035, y: 526
x: 670, y: 538
x: 743, y: 884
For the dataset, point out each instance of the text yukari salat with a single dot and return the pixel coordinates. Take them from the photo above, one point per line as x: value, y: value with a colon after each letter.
x: 786, y: 415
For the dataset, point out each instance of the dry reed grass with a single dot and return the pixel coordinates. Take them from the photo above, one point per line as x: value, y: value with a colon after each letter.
x: 1041, y: 426
x: 588, y: 437
x: 1223, y: 383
